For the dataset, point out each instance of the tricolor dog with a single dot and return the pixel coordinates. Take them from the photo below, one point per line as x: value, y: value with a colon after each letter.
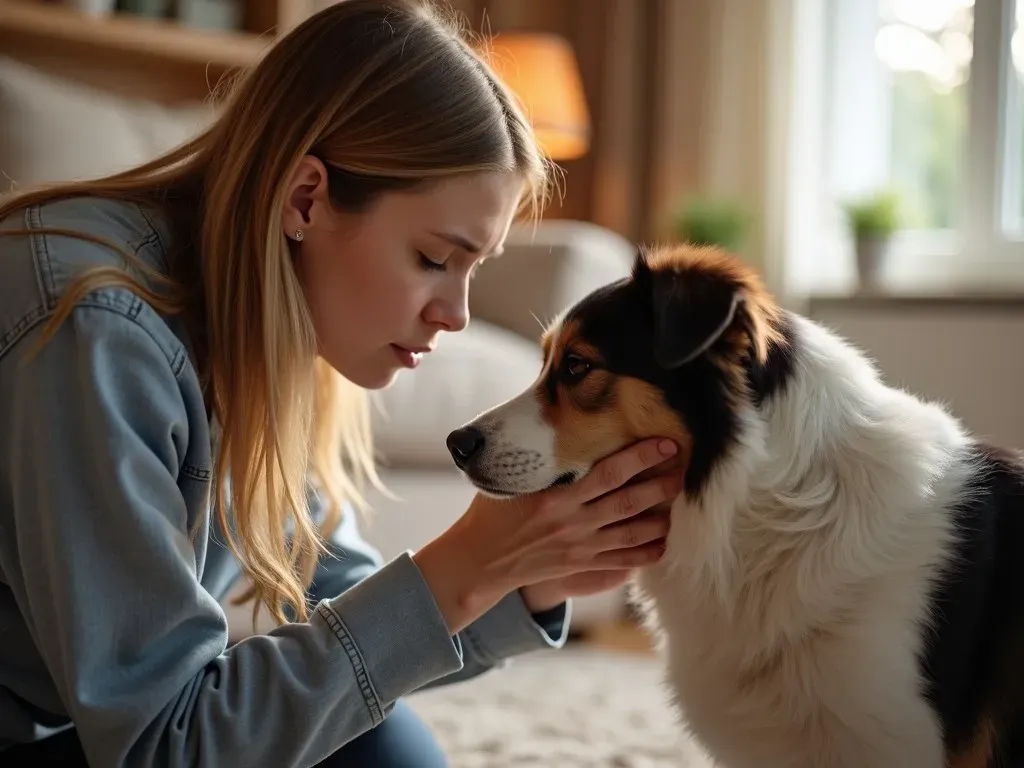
x: 843, y: 585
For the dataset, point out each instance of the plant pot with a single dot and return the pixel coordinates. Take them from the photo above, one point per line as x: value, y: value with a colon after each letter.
x: 871, y: 254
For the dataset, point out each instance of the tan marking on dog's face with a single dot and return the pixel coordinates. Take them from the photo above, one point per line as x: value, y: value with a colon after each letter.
x: 629, y: 410
x: 554, y: 339
x: 977, y: 754
x: 602, y: 412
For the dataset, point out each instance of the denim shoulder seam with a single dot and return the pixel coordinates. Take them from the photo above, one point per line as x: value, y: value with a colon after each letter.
x: 355, y: 657
x: 110, y: 299
x: 39, y: 246
x: 40, y: 249
x: 177, y: 360
x: 154, y: 236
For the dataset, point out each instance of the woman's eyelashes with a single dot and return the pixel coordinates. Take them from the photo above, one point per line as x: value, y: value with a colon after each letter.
x: 429, y: 264
x: 442, y: 266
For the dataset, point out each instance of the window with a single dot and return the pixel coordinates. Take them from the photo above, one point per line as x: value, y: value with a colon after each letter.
x: 925, y: 97
x: 925, y: 48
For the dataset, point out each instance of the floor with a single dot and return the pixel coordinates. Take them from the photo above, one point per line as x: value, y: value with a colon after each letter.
x: 622, y: 636
x: 597, y: 703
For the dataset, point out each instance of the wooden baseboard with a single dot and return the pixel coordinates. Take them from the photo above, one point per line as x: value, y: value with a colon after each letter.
x: 620, y: 636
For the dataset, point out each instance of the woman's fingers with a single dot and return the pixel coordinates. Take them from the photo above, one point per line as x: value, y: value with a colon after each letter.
x: 592, y: 582
x: 617, y: 469
x: 642, y: 529
x: 635, y: 557
x: 634, y: 499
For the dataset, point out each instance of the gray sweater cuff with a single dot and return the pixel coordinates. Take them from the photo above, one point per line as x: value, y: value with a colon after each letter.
x: 393, y: 633
x: 509, y: 629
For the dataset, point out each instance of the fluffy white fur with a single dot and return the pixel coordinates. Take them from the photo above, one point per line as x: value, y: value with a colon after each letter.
x: 791, y: 599
x: 790, y: 602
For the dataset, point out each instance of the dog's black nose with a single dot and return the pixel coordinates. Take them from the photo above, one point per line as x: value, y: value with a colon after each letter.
x: 465, y: 443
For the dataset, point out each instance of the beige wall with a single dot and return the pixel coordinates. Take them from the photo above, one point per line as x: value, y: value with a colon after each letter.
x: 963, y: 352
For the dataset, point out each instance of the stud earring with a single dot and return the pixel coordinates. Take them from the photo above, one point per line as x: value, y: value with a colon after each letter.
x: 299, y: 234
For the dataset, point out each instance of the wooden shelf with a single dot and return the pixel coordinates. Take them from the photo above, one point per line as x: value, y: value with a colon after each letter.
x: 24, y: 24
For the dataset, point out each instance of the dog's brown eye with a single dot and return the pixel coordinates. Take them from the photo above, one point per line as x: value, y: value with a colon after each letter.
x: 574, y: 368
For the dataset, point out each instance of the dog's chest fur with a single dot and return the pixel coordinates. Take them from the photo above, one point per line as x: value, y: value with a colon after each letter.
x: 758, y: 692
x: 790, y: 601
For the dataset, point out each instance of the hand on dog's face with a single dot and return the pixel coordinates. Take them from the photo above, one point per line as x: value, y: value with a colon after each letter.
x: 651, y: 355
x: 580, y: 539
x: 553, y: 544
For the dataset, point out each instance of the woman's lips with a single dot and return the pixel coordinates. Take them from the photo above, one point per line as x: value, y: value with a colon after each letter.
x: 409, y: 358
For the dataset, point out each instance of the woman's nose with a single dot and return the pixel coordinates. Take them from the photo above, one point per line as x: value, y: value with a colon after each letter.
x: 451, y: 312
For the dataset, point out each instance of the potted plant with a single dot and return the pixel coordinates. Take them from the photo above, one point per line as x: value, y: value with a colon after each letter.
x: 872, y: 221
x: 708, y: 221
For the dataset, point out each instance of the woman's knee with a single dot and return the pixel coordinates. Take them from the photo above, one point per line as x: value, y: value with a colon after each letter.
x: 402, y: 740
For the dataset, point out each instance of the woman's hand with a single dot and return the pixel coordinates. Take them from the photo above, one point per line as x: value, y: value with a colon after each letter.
x: 573, y: 539
x: 545, y: 595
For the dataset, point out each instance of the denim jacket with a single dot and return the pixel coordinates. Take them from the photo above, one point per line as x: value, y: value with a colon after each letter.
x: 109, y: 610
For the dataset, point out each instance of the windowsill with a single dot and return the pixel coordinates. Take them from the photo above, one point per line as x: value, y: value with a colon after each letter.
x: 972, y: 299
x: 931, y: 282
x: 925, y: 266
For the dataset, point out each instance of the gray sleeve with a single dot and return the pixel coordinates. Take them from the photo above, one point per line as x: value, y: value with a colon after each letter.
x: 505, y: 631
x: 106, y: 577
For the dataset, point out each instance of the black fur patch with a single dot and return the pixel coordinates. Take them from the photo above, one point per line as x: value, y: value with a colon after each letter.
x: 621, y: 320
x: 973, y: 661
x: 770, y: 379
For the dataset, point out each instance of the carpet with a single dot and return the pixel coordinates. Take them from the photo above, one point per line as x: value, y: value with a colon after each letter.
x: 574, y: 708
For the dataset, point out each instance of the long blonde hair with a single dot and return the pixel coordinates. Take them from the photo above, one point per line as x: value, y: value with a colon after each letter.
x: 389, y: 94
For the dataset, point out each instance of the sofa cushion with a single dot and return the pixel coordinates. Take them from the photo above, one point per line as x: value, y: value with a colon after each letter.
x: 54, y: 129
x: 546, y: 269
x: 467, y: 373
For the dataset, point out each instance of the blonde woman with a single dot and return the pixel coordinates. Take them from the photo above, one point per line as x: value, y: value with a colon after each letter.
x: 185, y: 349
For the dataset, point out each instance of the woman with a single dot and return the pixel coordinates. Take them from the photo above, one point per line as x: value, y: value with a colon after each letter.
x: 184, y: 353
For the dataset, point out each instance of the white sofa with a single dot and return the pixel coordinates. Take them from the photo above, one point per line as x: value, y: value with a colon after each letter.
x: 52, y: 128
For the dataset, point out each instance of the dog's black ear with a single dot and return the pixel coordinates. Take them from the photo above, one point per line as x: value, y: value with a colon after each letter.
x: 691, y: 312
x: 641, y: 271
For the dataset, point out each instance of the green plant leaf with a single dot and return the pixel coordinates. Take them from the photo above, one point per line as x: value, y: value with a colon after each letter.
x: 875, y: 215
x: 707, y: 221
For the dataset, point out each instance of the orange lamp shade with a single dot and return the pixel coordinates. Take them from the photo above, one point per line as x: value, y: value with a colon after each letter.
x: 541, y: 69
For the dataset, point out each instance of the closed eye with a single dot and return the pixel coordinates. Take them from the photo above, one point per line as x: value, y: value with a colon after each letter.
x: 429, y: 264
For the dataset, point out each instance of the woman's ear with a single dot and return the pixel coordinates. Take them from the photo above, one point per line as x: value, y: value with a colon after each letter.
x: 308, y: 198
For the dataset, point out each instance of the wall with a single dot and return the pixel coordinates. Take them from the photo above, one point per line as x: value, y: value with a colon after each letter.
x: 959, y: 350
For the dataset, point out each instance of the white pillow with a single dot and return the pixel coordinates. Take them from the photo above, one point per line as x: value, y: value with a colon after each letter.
x: 54, y: 129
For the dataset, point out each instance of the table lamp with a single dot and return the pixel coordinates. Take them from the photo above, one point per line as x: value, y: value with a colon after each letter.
x: 541, y: 69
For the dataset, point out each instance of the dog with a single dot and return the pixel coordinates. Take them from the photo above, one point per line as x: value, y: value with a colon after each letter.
x: 843, y: 581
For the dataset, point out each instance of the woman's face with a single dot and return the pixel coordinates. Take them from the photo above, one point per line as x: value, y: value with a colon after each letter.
x: 381, y: 284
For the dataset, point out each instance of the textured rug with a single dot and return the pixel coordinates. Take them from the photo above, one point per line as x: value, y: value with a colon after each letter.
x: 570, y: 708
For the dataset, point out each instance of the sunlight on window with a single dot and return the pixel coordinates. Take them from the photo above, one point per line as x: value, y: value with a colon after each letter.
x: 1014, y: 186
x: 927, y: 15
x: 926, y: 47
